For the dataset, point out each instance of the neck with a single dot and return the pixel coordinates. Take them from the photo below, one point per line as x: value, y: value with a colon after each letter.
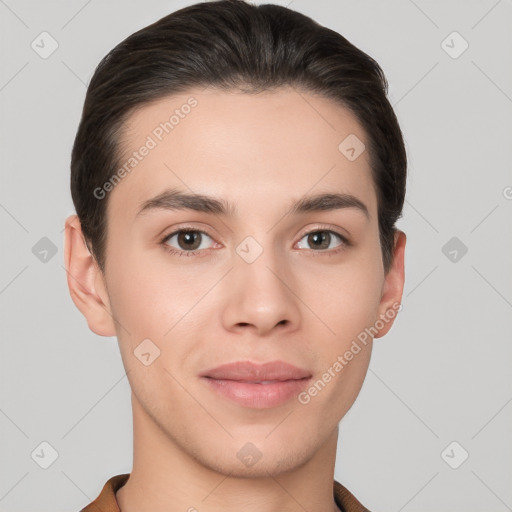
x: 166, y: 477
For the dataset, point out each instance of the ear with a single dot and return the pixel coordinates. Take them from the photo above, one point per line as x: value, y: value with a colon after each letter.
x: 393, y: 286
x: 86, y: 282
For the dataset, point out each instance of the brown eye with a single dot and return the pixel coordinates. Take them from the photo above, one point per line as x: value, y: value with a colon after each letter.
x: 187, y: 240
x: 321, y: 240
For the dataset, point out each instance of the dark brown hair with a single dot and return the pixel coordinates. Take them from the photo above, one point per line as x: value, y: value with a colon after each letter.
x: 232, y: 45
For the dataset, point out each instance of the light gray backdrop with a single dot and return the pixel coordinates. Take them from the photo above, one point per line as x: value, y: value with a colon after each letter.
x: 439, y: 388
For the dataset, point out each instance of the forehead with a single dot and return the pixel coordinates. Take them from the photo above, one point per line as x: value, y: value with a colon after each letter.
x: 257, y: 149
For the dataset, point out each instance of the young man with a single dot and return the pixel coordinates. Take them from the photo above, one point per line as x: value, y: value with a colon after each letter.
x: 237, y: 175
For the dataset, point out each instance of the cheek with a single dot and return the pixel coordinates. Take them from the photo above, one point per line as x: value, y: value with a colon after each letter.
x: 151, y: 311
x: 345, y: 297
x: 150, y: 297
x: 154, y: 302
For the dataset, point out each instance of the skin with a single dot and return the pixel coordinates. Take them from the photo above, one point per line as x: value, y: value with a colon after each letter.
x: 294, y: 303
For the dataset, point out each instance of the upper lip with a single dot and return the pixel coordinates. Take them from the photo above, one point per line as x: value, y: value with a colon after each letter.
x: 249, y: 371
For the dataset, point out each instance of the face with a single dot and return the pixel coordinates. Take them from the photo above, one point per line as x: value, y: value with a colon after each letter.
x: 257, y: 271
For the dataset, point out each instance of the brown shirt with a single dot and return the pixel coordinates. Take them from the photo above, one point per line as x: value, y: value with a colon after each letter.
x: 106, y: 501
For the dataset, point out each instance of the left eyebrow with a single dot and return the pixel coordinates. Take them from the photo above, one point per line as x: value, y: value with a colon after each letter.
x: 324, y: 202
x: 173, y: 199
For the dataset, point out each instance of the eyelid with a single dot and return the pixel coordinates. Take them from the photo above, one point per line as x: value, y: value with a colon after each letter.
x: 185, y: 227
x: 326, y: 227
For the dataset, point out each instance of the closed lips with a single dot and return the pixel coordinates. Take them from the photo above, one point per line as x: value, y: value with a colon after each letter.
x: 253, y: 373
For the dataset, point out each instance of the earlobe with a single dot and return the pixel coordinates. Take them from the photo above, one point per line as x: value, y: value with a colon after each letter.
x: 86, y: 282
x: 393, y: 287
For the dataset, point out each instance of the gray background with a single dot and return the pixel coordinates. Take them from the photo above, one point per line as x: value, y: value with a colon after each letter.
x: 443, y: 372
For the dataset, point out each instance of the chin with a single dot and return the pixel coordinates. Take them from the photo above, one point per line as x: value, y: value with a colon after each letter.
x: 253, y: 461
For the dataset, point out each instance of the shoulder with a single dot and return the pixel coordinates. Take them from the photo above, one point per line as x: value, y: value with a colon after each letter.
x: 346, y: 501
x: 106, y: 500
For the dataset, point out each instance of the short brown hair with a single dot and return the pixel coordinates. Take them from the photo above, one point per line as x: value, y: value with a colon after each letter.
x: 232, y: 45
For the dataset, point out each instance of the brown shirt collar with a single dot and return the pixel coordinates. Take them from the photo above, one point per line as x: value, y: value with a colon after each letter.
x: 106, y: 500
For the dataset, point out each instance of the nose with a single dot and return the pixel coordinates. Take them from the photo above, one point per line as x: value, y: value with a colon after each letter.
x: 260, y: 296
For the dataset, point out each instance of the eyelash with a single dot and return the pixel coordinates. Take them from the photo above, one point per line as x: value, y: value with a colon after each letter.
x: 197, y: 252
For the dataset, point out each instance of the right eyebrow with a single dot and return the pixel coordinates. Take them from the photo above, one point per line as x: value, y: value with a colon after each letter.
x: 173, y: 199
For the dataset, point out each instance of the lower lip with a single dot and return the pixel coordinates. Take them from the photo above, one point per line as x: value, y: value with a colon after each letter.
x: 258, y: 396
